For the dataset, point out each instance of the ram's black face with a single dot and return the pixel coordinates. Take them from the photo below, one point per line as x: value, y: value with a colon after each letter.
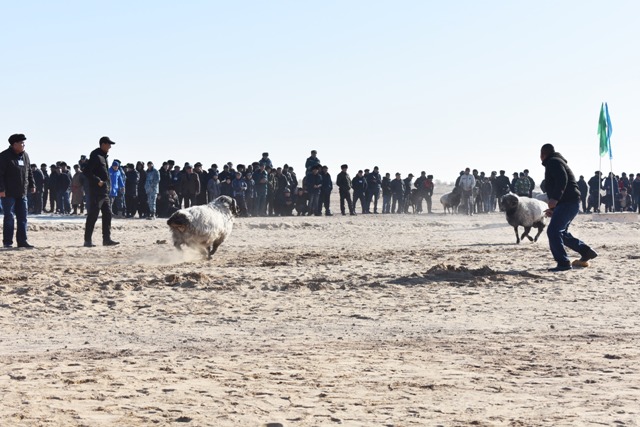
x: 179, y: 221
x: 509, y: 201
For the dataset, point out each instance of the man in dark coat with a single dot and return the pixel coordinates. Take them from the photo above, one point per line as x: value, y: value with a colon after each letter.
x: 359, y: 184
x: 397, y: 193
x: 36, y: 198
x: 407, y: 193
x: 595, y: 185
x: 374, y: 182
x: 325, y: 194
x: 564, y: 204
x: 503, y: 186
x: 314, y: 189
x: 343, y: 181
x: 16, y: 181
x: 45, y: 190
x: 189, y: 186
x: 53, y: 188
x: 131, y: 190
x: 201, y: 197
x: 584, y: 191
x: 97, y: 173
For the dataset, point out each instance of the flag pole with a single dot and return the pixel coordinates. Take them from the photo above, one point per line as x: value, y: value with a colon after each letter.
x: 603, y: 148
x: 609, y: 131
x: 613, y: 190
x: 599, y: 184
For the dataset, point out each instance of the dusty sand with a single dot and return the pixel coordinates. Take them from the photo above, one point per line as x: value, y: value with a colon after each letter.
x: 374, y: 320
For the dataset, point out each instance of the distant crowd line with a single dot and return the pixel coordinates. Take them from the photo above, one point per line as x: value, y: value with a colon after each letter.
x: 260, y: 189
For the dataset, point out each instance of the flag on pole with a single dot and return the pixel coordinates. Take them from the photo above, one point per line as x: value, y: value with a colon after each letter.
x: 609, y: 129
x: 602, y: 132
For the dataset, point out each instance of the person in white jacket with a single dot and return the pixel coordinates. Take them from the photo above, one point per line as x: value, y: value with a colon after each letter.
x: 467, y: 184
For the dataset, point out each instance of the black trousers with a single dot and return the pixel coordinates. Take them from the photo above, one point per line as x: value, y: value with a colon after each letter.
x: 131, y: 204
x: 325, y: 200
x: 98, y: 204
x: 346, y: 195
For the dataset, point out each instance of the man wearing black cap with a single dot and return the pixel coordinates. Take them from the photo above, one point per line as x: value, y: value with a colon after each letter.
x: 97, y: 173
x: 16, y: 181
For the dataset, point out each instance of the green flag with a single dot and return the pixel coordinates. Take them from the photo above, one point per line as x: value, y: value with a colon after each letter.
x: 602, y: 132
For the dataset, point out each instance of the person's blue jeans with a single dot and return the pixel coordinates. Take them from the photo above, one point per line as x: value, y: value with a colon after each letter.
x: 386, y: 203
x: 558, y: 232
x: 152, y: 198
x: 64, y: 202
x: 19, y: 207
x: 314, y: 200
x: 261, y: 204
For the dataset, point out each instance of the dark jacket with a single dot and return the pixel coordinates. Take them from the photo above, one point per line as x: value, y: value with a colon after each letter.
x: 38, y: 179
x: 189, y: 184
x: 53, y: 182
x: 261, y: 180
x: 327, y: 184
x: 560, y: 183
x: 359, y: 184
x: 45, y: 173
x: 595, y: 184
x: 64, y: 181
x: 386, y: 186
x: 314, y: 183
x: 165, y: 180
x: 98, y: 170
x: 407, y: 185
x: 373, y: 181
x: 131, y: 184
x: 343, y: 181
x: 582, y: 186
x: 16, y: 177
x: 503, y: 185
x: 397, y: 187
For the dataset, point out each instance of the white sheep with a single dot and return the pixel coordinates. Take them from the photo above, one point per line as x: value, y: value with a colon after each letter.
x: 204, y: 227
x: 525, y: 212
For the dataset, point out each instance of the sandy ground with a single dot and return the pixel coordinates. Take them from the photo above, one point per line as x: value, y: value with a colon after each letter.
x: 374, y: 320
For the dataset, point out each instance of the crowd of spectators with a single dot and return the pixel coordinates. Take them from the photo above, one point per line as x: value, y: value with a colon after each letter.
x: 261, y: 189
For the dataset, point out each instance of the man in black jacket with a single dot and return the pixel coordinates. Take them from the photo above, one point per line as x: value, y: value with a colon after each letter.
x: 97, y: 173
x: 36, y: 198
x: 343, y: 181
x: 584, y: 191
x: 359, y: 185
x: 16, y: 181
x: 564, y: 204
x: 503, y: 186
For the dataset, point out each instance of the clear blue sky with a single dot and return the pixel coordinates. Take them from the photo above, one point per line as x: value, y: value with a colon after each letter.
x: 405, y: 85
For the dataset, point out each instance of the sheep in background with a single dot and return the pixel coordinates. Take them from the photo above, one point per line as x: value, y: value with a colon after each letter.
x: 541, y: 196
x: 204, y: 227
x: 525, y: 212
x: 450, y: 201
